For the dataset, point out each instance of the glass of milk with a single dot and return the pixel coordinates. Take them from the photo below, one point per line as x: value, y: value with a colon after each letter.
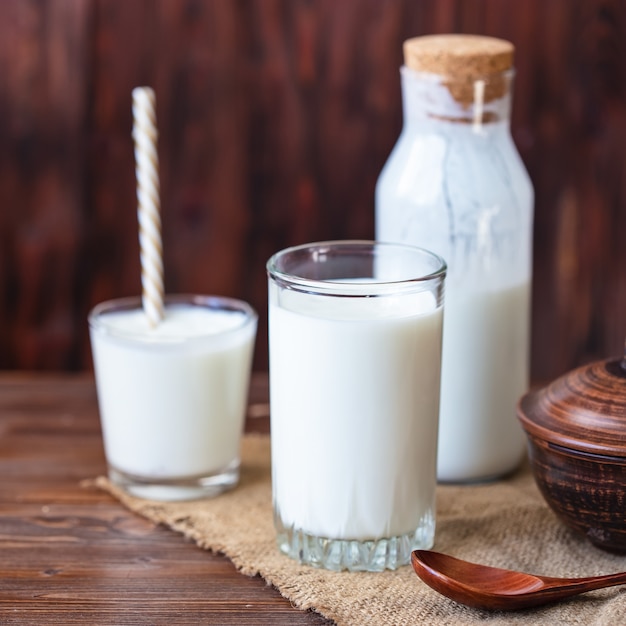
x: 172, y: 399
x: 355, y: 331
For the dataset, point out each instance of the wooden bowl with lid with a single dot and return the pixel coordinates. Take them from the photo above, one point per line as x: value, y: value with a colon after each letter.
x: 576, y: 429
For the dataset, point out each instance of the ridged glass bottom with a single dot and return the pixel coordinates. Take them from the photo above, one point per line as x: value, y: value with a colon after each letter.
x: 176, y: 489
x: 352, y: 555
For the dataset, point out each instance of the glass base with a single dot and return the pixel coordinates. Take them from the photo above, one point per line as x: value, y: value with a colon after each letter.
x: 355, y: 556
x: 176, y: 489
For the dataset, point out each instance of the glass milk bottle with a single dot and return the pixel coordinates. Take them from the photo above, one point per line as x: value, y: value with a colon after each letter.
x: 455, y: 184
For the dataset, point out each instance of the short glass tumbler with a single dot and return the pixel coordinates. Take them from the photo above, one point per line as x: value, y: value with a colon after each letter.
x: 355, y: 331
x: 172, y: 398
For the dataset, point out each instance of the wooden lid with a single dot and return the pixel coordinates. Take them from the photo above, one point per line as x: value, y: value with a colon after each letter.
x: 458, y: 56
x: 585, y: 410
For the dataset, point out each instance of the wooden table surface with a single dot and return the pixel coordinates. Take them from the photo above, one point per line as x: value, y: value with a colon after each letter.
x: 74, y: 555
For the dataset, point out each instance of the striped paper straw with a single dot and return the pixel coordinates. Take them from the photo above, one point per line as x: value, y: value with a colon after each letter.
x: 148, y: 202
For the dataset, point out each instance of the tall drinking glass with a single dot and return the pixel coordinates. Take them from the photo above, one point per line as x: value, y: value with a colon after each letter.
x: 355, y: 332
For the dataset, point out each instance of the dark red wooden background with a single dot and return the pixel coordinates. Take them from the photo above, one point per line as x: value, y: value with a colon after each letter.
x: 275, y: 119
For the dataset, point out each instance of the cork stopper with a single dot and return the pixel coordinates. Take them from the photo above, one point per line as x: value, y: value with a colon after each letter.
x: 461, y: 61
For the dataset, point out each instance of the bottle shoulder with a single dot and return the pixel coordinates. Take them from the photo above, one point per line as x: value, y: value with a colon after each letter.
x: 454, y: 163
x: 480, y: 140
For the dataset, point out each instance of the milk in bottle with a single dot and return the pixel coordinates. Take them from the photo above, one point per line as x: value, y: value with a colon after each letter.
x: 455, y: 184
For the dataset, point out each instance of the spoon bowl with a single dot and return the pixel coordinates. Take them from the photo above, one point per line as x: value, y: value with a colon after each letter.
x: 493, y: 588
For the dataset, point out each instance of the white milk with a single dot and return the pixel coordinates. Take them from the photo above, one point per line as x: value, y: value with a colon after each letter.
x: 485, y: 370
x: 354, y: 391
x: 172, y: 399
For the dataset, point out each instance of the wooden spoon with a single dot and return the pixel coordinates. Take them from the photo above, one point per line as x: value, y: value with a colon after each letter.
x: 493, y: 588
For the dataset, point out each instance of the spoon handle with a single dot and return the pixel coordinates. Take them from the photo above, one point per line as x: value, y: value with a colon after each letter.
x: 587, y: 584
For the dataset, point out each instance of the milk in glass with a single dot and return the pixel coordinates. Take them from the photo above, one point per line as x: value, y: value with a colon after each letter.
x: 172, y: 398
x: 354, y: 393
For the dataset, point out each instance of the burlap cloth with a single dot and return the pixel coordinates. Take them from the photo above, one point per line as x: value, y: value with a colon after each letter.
x: 505, y: 523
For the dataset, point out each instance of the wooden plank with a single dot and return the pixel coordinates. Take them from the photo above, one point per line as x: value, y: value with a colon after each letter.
x: 43, y: 60
x: 275, y: 119
x: 72, y: 555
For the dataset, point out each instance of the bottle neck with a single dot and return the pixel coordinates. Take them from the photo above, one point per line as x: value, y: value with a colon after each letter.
x: 428, y: 98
